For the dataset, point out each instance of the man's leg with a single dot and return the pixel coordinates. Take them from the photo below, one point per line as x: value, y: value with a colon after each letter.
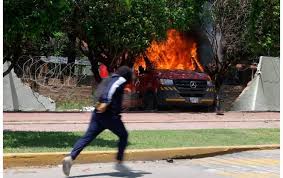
x: 116, y: 126
x: 93, y: 130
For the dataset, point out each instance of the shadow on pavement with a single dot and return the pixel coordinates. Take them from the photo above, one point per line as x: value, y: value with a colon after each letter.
x: 132, y: 174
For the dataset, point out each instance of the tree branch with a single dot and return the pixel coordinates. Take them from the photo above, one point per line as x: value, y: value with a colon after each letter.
x: 9, y: 69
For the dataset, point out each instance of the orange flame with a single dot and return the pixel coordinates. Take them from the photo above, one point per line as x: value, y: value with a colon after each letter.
x: 177, y: 52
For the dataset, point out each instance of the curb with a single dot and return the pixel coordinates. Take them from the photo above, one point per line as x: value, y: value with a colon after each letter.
x: 44, y: 159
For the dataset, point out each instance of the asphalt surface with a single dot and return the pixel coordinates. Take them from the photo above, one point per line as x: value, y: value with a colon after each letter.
x: 142, y: 121
x: 250, y: 164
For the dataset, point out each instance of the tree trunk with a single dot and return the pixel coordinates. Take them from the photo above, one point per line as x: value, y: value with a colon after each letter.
x: 16, y: 55
x: 71, y: 54
x: 94, y: 66
x: 218, y: 82
x: 8, y: 70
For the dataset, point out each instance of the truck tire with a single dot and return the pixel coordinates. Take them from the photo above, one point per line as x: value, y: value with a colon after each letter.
x: 149, y: 101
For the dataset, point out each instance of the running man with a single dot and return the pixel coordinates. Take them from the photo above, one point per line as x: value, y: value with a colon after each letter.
x: 106, y: 116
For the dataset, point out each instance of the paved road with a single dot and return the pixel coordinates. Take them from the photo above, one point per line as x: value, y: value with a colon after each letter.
x: 142, y: 121
x: 251, y: 164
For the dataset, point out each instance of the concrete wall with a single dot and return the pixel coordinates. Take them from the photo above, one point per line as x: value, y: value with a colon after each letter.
x: 19, y: 97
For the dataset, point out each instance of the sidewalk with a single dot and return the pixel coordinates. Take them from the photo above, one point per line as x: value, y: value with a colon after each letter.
x: 142, y: 121
x: 261, y: 164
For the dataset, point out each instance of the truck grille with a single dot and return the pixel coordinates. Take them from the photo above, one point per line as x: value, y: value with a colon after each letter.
x: 191, y: 88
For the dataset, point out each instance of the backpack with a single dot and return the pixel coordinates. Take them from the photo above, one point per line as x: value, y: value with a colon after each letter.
x: 101, y: 88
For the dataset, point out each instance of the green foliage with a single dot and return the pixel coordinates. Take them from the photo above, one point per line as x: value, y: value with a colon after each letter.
x: 115, y: 31
x: 58, y: 43
x: 32, y: 19
x: 248, y: 29
x: 129, y: 29
x: 29, y: 27
x: 114, y: 28
x: 183, y: 14
x: 263, y: 36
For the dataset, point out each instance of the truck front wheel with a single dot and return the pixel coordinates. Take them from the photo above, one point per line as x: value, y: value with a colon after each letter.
x: 149, y: 101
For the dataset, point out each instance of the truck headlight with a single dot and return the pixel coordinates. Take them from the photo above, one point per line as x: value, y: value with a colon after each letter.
x: 210, y: 84
x: 166, y: 82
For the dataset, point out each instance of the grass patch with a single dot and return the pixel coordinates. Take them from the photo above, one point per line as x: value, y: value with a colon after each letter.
x: 67, y: 105
x: 63, y: 141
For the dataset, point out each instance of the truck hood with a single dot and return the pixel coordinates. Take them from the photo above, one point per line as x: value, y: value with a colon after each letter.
x: 181, y: 74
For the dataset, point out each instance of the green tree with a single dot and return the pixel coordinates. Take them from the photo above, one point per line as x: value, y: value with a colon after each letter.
x: 28, y: 25
x: 263, y: 37
x: 112, y: 32
x: 225, y: 23
x: 115, y: 32
x: 240, y: 30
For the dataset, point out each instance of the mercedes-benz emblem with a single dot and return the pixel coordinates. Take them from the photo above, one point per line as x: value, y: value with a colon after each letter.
x: 193, y: 84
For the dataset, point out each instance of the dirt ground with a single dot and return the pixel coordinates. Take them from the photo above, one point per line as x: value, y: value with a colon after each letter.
x: 228, y: 94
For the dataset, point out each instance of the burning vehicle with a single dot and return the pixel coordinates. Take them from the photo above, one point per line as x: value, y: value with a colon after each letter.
x: 170, y: 74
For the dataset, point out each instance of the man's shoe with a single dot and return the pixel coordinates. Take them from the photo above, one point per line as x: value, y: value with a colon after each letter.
x: 122, y: 168
x: 67, y: 164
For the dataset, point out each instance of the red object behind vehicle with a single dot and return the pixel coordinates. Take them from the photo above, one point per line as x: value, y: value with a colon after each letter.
x: 103, y: 71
